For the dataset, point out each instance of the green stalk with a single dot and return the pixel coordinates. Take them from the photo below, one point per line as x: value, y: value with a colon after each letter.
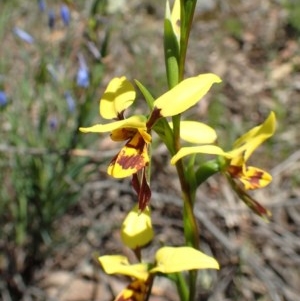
x: 187, y: 8
x: 175, y: 66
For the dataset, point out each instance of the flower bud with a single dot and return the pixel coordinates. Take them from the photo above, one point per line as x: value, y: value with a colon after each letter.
x: 65, y: 14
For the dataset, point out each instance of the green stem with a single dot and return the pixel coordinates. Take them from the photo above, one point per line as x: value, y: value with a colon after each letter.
x: 189, y: 221
x: 175, y: 65
x: 187, y: 8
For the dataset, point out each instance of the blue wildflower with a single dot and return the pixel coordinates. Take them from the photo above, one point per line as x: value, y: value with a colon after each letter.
x: 42, y: 5
x: 70, y: 101
x: 51, y: 19
x: 53, y: 123
x: 23, y: 35
x: 3, y: 98
x: 65, y: 14
x: 83, y: 78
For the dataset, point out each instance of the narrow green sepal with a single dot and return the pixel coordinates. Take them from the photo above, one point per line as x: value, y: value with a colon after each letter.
x: 146, y: 93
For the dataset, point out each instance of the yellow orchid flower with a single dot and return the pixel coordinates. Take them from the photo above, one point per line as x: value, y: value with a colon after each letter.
x: 235, y: 162
x: 118, y: 96
x: 133, y: 158
x: 167, y: 260
x: 251, y: 177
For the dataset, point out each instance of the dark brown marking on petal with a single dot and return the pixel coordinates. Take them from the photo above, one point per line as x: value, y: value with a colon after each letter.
x: 254, y: 180
x: 235, y: 171
x: 136, y: 161
x: 126, y: 134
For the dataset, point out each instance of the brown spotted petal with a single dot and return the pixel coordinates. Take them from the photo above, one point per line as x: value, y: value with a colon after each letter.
x: 132, y: 157
x: 251, y: 177
x: 135, y: 291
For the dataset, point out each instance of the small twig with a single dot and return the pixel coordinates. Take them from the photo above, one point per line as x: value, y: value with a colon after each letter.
x: 286, y: 164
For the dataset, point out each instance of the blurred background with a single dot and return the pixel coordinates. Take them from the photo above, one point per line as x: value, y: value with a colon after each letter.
x: 58, y: 208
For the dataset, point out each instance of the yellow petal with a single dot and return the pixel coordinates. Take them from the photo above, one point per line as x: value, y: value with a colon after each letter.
x: 137, y: 228
x: 177, y: 259
x: 196, y: 132
x: 186, y: 94
x: 254, y: 178
x: 146, y: 136
x: 118, y: 264
x: 203, y: 149
x: 137, y: 121
x: 132, y: 157
x: 248, y: 142
x: 118, y: 96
